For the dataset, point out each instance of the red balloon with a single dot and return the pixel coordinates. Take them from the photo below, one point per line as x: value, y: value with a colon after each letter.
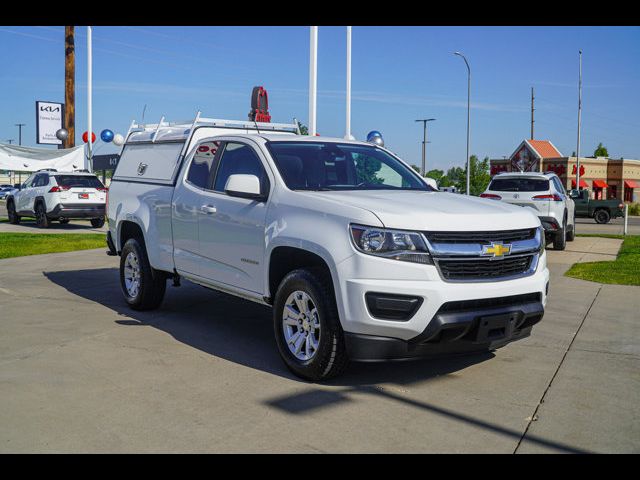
x: 85, y: 137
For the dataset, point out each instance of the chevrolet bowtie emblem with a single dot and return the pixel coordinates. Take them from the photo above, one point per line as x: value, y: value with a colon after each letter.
x: 496, y: 250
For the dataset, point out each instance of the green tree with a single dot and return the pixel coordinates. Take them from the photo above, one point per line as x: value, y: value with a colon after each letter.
x: 435, y: 174
x: 601, y: 151
x: 479, y: 178
x: 304, y: 130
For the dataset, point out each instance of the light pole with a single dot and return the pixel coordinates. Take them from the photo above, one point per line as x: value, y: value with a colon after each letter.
x: 313, y: 78
x: 468, y: 119
x: 20, y: 125
x: 347, y: 134
x: 579, y: 123
x: 424, y: 144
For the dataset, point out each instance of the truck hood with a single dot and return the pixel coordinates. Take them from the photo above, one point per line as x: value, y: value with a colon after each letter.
x: 436, y: 211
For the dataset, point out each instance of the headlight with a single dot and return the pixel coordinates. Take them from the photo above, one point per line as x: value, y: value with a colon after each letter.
x: 393, y: 244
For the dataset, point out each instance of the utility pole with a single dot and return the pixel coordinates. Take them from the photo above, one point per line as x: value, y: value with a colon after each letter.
x: 20, y: 125
x: 69, y: 86
x: 532, y: 109
x: 89, y: 98
x: 579, y: 123
x: 424, y: 144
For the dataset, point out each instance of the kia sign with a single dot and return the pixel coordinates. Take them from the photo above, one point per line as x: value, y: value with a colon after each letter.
x: 48, y: 122
x: 105, y: 162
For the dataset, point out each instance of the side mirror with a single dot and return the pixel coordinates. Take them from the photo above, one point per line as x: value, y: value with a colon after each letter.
x: 244, y: 186
x: 16, y: 185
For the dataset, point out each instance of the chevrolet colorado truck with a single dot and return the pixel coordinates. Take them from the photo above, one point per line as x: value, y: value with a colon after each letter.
x: 359, y: 258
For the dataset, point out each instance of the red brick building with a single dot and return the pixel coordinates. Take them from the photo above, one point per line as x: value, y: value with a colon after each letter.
x: 603, y: 177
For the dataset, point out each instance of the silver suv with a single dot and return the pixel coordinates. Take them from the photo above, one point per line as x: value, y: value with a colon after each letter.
x: 542, y: 192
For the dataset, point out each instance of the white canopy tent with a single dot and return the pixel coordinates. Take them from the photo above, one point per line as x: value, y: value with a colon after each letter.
x: 16, y: 158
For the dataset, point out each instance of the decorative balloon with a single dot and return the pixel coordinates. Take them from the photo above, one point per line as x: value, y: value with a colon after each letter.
x: 106, y: 135
x: 118, y: 140
x: 85, y: 137
x: 375, y: 137
x: 62, y: 134
x: 373, y: 133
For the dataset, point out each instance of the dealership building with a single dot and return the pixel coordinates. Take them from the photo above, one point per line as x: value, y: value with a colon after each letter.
x: 604, y: 177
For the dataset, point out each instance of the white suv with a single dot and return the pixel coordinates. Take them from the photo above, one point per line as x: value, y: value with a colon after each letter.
x: 545, y: 194
x: 51, y: 195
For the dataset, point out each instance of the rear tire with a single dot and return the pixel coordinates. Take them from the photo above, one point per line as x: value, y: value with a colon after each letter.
x: 571, y: 232
x: 143, y: 287
x: 317, y: 322
x: 41, y: 216
x: 97, y: 222
x: 14, y: 218
x: 560, y: 238
x: 602, y: 216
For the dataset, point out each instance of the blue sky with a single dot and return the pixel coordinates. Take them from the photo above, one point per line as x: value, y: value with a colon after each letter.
x: 399, y: 74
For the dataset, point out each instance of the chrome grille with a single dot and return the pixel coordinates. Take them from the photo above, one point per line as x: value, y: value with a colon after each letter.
x: 484, y: 268
x: 505, y: 236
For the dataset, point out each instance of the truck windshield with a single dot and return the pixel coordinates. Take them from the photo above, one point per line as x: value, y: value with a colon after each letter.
x: 519, y: 185
x: 336, y: 166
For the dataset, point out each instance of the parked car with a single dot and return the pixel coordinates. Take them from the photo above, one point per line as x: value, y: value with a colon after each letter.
x: 358, y: 257
x: 50, y: 195
x: 542, y: 192
x: 600, y: 210
x: 5, y: 190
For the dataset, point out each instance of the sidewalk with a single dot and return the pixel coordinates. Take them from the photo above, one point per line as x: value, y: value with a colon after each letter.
x: 585, y: 249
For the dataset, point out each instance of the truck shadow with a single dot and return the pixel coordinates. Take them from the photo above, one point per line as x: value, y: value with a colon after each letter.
x: 237, y: 330
x: 241, y: 332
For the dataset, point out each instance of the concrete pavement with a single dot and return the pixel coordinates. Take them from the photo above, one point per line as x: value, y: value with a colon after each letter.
x: 81, y: 372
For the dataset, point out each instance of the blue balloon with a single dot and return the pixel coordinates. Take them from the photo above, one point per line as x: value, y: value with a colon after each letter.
x: 106, y: 135
x: 373, y: 133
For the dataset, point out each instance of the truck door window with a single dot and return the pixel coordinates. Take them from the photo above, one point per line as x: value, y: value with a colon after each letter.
x: 239, y: 158
x: 203, y: 164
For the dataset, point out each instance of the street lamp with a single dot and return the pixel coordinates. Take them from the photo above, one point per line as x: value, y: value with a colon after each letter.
x: 424, y: 144
x: 468, y: 118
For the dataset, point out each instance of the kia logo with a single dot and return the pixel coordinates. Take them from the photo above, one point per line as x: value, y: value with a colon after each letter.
x: 50, y: 109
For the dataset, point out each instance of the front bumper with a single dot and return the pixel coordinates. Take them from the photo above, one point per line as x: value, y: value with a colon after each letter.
x: 361, y: 274
x: 458, y: 327
x: 77, y: 210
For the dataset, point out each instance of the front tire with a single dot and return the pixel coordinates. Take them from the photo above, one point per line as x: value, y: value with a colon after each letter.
x: 307, y: 327
x: 97, y: 222
x: 143, y: 286
x: 14, y: 218
x: 42, y: 220
x: 602, y: 216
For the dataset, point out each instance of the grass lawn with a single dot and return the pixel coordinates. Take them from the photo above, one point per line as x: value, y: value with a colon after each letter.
x: 625, y: 270
x: 21, y: 244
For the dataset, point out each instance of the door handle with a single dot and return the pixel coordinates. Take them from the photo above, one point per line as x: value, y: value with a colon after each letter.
x: 208, y: 209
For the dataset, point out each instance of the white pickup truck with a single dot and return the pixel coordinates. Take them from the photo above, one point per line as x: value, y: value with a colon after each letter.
x: 358, y: 256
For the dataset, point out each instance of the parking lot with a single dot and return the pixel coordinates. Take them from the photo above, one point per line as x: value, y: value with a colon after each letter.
x: 81, y: 372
